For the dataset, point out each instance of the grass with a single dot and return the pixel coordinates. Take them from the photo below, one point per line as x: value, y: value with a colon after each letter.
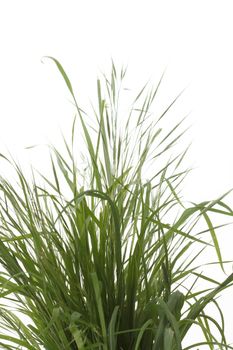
x: 103, y: 254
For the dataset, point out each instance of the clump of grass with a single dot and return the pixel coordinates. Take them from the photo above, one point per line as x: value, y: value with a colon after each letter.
x: 102, y: 258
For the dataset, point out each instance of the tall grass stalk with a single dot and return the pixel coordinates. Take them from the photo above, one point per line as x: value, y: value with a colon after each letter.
x: 104, y: 254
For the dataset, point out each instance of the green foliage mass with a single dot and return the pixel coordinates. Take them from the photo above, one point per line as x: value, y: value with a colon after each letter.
x: 100, y: 256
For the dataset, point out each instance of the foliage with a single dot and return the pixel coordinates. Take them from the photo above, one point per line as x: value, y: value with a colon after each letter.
x: 100, y: 256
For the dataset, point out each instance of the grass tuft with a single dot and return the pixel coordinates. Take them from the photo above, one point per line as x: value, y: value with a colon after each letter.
x: 103, y: 253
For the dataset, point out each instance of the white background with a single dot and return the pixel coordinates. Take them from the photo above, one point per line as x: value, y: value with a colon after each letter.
x: 194, y: 39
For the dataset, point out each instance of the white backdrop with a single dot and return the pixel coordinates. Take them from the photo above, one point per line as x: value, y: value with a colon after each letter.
x: 193, y: 38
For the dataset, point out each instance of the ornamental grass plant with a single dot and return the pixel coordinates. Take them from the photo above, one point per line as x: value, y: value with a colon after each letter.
x: 103, y: 254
